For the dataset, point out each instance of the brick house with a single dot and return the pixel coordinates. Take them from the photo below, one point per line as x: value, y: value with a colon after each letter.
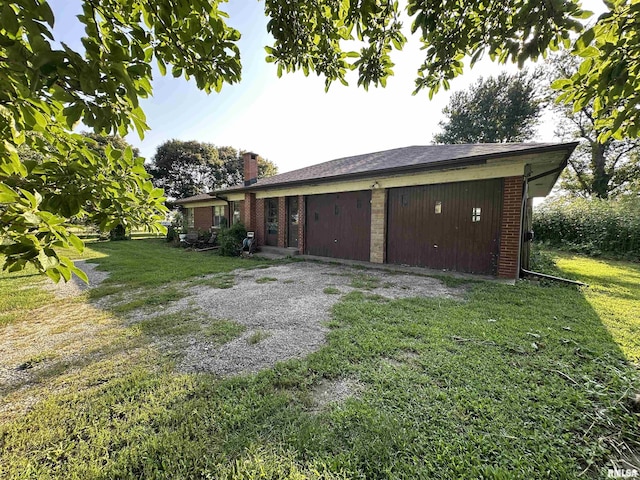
x: 464, y: 208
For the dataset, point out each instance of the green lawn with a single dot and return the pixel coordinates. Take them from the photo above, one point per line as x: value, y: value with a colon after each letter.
x: 531, y: 381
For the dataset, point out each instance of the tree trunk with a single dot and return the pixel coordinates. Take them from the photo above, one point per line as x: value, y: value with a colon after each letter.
x: 600, y: 182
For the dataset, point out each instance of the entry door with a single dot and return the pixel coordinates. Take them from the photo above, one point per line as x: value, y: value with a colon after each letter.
x: 292, y: 219
x: 271, y: 221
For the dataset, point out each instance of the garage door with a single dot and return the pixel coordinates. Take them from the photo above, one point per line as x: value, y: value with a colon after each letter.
x: 339, y: 225
x: 451, y: 226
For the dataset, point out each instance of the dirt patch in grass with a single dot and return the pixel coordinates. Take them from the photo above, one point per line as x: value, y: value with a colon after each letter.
x: 334, y: 392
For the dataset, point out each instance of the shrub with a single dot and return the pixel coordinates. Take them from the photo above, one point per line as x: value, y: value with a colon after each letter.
x: 172, y: 233
x: 119, y: 233
x: 230, y: 239
x: 591, y: 226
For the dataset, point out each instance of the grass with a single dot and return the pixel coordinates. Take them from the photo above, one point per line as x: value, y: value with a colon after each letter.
x: 21, y: 293
x: 266, y: 279
x: 150, y: 298
x: 364, y: 281
x: 522, y: 382
x: 257, y: 337
x: 330, y: 290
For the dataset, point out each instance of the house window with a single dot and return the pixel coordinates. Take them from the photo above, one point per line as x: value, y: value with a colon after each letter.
x: 438, y: 209
x: 235, y: 208
x: 475, y: 214
x: 218, y: 216
x: 190, y: 220
x: 272, y: 216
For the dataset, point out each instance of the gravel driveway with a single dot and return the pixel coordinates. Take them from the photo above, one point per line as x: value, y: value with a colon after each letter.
x: 287, y: 305
x: 285, y: 309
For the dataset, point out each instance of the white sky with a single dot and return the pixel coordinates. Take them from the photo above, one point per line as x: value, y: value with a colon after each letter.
x: 291, y: 120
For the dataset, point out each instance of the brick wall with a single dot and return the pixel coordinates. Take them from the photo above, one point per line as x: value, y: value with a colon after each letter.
x: 510, y: 228
x: 259, y: 223
x: 378, y: 225
x: 282, y: 222
x: 249, y: 215
x: 302, y: 222
x: 202, y: 218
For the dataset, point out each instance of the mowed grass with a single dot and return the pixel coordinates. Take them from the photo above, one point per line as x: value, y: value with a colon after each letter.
x: 513, y: 382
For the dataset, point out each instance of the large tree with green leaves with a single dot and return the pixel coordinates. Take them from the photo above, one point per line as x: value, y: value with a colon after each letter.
x: 47, y: 89
x: 500, y: 109
x: 601, y: 166
x: 188, y: 168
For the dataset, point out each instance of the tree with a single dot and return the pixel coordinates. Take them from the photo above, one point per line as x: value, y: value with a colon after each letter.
x: 188, y: 168
x: 499, y: 109
x: 184, y: 169
x: 601, y: 165
x: 48, y: 90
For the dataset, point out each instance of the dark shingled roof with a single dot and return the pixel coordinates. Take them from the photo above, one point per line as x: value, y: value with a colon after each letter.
x: 407, y: 158
x: 196, y: 198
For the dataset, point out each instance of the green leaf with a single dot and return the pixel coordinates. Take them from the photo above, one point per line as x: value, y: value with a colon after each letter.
x: 589, y: 52
x: 80, y: 274
x: 76, y: 242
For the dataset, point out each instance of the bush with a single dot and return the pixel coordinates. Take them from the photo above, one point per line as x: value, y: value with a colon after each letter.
x: 230, y: 240
x: 172, y: 233
x: 119, y: 233
x: 591, y: 226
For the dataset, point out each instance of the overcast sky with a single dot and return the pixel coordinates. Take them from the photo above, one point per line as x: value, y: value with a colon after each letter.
x: 291, y: 120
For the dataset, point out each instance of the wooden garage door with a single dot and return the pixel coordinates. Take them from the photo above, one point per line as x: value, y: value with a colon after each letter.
x: 451, y: 226
x: 339, y: 225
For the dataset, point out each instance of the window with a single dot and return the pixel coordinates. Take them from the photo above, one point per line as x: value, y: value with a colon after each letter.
x: 438, y: 209
x: 475, y: 214
x: 218, y: 216
x: 236, y: 208
x: 190, y: 221
x: 271, y: 213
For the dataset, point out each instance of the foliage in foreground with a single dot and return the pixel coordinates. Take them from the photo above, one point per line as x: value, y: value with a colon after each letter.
x: 592, y: 226
x: 514, y: 382
x: 599, y: 167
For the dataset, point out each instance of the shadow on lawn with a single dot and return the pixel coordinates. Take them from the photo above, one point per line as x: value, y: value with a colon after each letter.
x: 515, y: 382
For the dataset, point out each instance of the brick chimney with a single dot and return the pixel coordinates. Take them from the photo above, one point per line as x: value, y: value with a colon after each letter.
x: 250, y: 168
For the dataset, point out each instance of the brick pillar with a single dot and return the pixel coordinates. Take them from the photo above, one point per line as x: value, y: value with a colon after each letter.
x: 282, y: 222
x: 510, y: 228
x: 250, y: 211
x: 302, y: 223
x: 378, y: 225
x: 259, y: 228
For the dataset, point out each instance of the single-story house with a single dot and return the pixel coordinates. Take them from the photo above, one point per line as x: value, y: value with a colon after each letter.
x: 464, y: 208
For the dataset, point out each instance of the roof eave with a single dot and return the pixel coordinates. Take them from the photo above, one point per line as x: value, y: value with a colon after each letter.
x: 450, y: 163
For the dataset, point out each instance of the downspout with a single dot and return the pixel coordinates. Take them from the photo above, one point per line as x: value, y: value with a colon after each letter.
x: 529, y: 273
x: 523, y: 206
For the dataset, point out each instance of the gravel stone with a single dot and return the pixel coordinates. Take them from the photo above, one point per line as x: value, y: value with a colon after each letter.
x: 292, y: 310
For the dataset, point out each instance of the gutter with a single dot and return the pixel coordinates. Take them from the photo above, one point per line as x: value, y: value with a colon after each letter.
x: 530, y: 273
